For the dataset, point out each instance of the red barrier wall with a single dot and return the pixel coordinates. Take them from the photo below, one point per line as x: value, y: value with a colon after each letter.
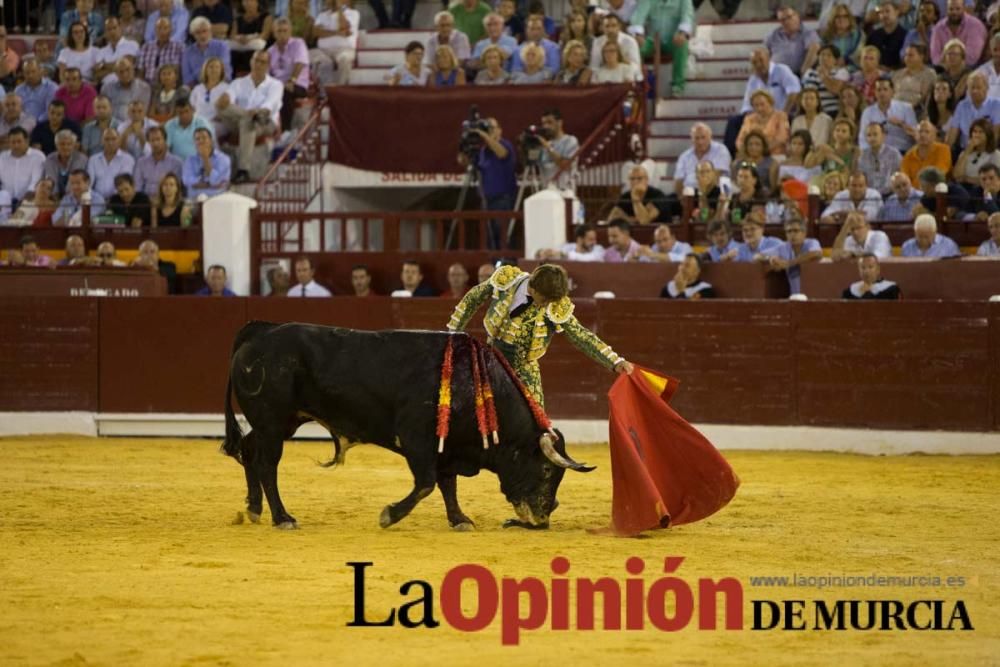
x: 889, y: 365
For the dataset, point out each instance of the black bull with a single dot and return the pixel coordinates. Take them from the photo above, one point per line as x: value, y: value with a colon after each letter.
x: 382, y: 388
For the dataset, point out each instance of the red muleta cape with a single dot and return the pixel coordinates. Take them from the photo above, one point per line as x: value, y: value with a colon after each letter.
x: 664, y: 472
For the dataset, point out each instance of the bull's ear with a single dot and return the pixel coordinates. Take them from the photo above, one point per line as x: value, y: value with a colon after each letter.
x: 547, y: 443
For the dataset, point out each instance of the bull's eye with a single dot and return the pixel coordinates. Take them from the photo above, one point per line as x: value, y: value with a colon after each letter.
x: 547, y: 471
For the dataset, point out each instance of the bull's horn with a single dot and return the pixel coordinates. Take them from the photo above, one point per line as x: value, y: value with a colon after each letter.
x: 548, y: 448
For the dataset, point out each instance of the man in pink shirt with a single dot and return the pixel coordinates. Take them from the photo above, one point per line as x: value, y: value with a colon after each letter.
x: 961, y: 26
x: 77, y: 96
x: 621, y: 246
x: 290, y: 66
x: 32, y: 257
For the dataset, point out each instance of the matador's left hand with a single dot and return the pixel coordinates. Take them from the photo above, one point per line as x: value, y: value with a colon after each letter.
x: 625, y: 367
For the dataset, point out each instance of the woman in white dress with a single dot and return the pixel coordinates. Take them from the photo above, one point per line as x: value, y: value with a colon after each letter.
x: 205, y: 96
x: 614, y: 68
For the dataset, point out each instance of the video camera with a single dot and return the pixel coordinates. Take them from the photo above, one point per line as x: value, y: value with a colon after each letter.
x: 531, y: 144
x: 470, y: 142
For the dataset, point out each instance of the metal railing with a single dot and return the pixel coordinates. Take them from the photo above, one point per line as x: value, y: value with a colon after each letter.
x: 295, y: 178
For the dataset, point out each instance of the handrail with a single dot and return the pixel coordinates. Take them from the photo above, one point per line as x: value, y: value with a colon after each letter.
x: 298, y: 145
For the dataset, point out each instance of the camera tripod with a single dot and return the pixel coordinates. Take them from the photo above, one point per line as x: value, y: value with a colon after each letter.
x: 530, y: 177
x: 471, y: 181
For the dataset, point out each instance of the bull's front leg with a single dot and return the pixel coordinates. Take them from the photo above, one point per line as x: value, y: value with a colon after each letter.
x: 448, y: 484
x: 424, y: 479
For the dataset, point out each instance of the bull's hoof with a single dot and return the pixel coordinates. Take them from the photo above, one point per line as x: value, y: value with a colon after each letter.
x: 464, y: 527
x: 517, y: 523
x: 287, y: 525
x: 385, y: 518
x: 253, y: 516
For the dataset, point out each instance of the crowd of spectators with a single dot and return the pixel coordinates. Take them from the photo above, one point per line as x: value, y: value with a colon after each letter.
x: 477, y: 44
x: 138, y: 114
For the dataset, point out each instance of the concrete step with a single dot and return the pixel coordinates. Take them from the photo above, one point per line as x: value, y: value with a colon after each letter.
x: 705, y: 108
x: 380, y: 57
x: 734, y: 50
x: 741, y: 31
x: 391, y: 39
x: 668, y: 148
x: 724, y: 68
x: 715, y: 87
x: 682, y: 126
x: 369, y: 76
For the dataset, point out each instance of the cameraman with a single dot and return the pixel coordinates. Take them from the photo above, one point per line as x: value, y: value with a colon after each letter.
x: 496, y: 163
x: 558, y: 150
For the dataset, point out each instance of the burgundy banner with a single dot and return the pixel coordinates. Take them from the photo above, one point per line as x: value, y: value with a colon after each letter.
x: 403, y: 129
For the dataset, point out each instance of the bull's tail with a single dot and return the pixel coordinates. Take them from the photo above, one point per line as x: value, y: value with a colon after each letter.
x: 233, y: 444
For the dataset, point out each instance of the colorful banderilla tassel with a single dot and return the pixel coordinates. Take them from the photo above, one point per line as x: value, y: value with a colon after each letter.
x: 477, y: 382
x: 491, y: 409
x: 444, y: 396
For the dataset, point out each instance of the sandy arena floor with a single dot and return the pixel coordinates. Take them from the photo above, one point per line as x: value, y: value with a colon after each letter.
x: 118, y: 552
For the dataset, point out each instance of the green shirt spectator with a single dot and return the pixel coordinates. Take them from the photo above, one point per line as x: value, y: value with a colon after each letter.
x: 469, y: 15
x: 673, y: 21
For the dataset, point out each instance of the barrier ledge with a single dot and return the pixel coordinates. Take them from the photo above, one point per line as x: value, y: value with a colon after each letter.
x: 577, y: 431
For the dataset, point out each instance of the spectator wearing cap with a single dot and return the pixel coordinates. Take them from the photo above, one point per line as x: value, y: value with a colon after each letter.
x: 857, y: 238
x: 791, y: 44
x: 977, y: 104
x: 878, y: 161
x: 897, y: 117
x: 926, y: 242
x: 962, y: 26
x: 903, y: 201
x: 872, y: 285
x: 888, y: 38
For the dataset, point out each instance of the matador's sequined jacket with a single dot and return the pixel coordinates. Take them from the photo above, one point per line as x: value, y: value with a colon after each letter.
x: 524, y: 338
